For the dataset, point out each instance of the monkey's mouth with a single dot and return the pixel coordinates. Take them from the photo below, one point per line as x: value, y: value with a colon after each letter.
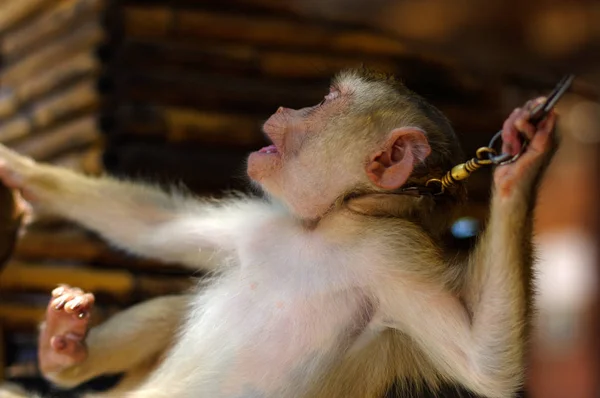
x: 271, y: 149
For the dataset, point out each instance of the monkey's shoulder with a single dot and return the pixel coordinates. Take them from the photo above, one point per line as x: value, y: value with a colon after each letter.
x: 389, y: 243
x: 395, y: 233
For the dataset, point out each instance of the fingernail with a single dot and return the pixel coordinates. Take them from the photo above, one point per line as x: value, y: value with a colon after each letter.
x: 60, y: 304
x: 75, y: 303
x: 58, y: 291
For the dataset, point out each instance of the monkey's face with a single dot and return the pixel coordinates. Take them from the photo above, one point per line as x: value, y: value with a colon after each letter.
x: 314, y: 158
x: 347, y: 142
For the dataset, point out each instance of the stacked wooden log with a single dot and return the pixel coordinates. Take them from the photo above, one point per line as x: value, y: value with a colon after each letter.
x: 48, y: 99
x: 49, y: 107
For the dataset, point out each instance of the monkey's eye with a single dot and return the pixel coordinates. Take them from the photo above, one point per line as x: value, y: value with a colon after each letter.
x: 333, y: 94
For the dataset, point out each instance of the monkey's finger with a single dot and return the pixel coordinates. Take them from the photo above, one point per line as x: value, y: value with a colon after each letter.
x: 60, y: 290
x: 531, y: 104
x: 511, y: 143
x: 523, y: 126
x: 80, y: 304
x: 59, y: 303
x: 522, y: 123
x: 541, y: 142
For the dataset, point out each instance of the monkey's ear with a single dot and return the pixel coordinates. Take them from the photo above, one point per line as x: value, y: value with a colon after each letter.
x: 390, y: 167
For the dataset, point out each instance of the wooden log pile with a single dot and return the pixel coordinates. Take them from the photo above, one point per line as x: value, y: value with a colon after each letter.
x: 48, y: 99
x: 49, y: 107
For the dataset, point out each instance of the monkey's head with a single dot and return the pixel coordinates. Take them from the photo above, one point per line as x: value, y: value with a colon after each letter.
x: 370, y: 134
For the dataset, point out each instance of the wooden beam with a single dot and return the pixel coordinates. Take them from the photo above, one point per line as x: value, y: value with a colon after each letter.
x: 85, y: 38
x: 547, y: 43
x: 173, y: 124
x: 161, y: 22
x: 87, y: 162
x: 120, y: 284
x: 239, y: 58
x: 76, y: 245
x: 77, y: 99
x: 47, y: 145
x: 214, y: 91
x: 65, y: 72
x: 20, y: 316
x: 166, y: 163
x: 59, y: 19
x: 3, y: 362
x: 10, y: 219
x: 13, y: 12
x: 21, y: 276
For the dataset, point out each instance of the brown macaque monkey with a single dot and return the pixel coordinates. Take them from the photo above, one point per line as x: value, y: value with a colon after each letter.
x: 334, y: 284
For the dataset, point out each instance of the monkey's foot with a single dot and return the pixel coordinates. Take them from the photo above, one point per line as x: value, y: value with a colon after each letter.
x: 61, y: 343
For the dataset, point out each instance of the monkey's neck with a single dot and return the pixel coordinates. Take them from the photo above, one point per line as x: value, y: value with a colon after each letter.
x: 421, y: 210
x: 384, y: 205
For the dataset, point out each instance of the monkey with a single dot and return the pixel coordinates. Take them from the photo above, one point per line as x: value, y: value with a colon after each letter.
x: 333, y: 283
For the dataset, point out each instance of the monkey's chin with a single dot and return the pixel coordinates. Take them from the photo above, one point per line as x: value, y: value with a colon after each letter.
x: 263, y: 164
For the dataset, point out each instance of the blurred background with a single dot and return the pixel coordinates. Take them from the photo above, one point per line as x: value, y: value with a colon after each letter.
x: 176, y: 91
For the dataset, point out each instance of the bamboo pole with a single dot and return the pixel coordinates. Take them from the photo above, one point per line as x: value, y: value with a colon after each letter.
x: 12, y: 12
x: 234, y: 58
x: 62, y: 17
x: 20, y: 316
x: 44, y: 146
x: 185, y: 125
x: 15, y: 128
x: 91, y: 163
x: 158, y: 22
x: 75, y: 245
x: 165, y: 163
x: 214, y: 91
x: 20, y: 276
x: 120, y: 284
x: 10, y: 222
x: 79, y: 98
x: 2, y: 353
x: 88, y: 162
x: 84, y: 38
x: 12, y: 98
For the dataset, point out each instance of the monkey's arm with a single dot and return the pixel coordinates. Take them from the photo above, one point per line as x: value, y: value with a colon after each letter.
x: 141, y: 219
x: 128, y: 339
x: 481, y: 343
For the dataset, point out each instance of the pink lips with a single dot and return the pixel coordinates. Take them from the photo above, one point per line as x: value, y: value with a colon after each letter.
x: 269, y: 149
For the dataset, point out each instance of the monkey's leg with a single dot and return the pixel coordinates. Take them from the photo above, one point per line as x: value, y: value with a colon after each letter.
x: 129, y: 340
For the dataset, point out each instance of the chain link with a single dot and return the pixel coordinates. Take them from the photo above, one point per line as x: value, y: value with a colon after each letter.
x: 487, y: 155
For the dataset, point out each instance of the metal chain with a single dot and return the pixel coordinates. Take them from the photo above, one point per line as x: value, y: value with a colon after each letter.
x: 487, y: 155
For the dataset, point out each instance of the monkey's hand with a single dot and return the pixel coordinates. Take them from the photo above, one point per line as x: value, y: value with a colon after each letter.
x: 17, y: 171
x: 526, y: 170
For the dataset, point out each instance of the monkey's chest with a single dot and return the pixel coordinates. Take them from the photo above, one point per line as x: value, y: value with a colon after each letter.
x: 262, y: 334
